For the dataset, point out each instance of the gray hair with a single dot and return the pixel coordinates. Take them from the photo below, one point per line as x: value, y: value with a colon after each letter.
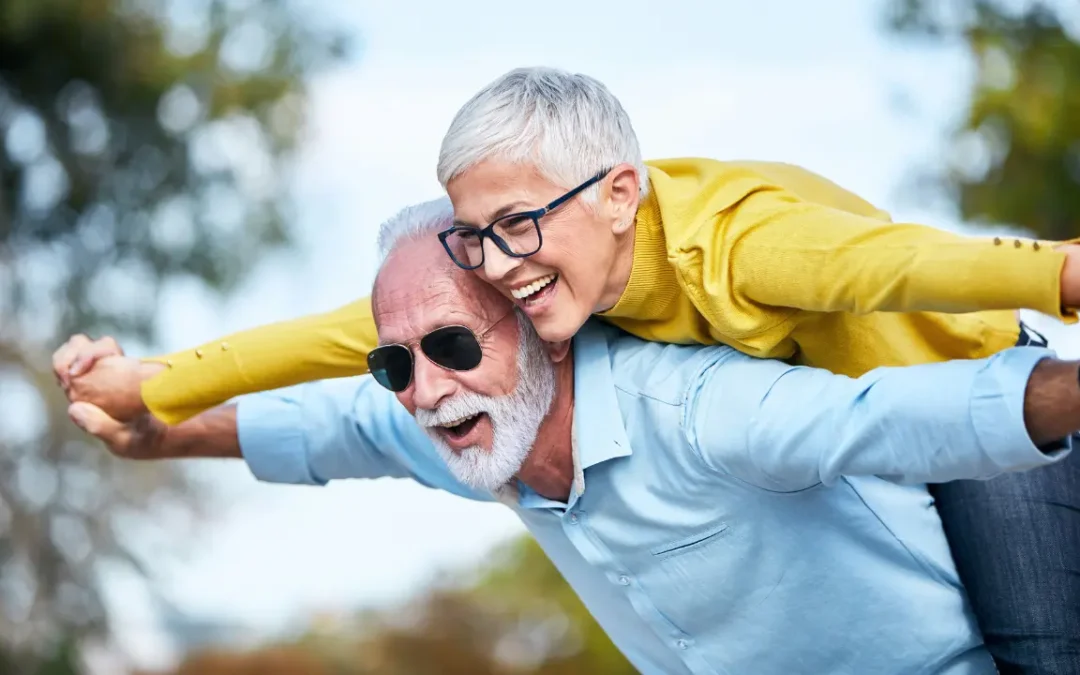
x: 412, y: 222
x: 568, y: 125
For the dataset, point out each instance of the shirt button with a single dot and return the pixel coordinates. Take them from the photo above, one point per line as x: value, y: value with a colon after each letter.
x: 624, y: 580
x: 683, y: 644
x: 573, y: 519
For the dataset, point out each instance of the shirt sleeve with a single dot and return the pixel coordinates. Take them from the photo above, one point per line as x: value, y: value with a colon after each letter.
x: 787, y: 428
x: 318, y: 432
x: 321, y: 346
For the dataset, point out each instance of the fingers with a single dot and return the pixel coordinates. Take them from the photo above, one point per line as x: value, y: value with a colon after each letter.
x: 64, y: 356
x: 94, y: 421
x: 79, y: 354
x: 85, y: 359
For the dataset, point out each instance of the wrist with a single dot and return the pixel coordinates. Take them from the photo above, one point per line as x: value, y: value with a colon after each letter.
x: 1070, y: 276
x: 147, y: 370
x: 211, y: 434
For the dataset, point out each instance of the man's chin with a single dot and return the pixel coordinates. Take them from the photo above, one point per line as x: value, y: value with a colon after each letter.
x: 478, y: 468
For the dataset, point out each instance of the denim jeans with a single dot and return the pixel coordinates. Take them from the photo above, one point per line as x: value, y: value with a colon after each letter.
x: 1016, y: 542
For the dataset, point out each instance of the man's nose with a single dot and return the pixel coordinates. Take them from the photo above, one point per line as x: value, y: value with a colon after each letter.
x: 496, y: 263
x: 431, y: 384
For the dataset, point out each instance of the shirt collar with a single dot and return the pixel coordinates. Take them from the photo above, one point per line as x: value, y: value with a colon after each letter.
x: 597, y: 433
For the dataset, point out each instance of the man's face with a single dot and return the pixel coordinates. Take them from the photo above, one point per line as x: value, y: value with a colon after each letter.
x: 484, y: 421
x: 564, y: 282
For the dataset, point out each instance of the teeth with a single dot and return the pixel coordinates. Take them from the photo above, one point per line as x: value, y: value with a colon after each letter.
x: 456, y: 422
x: 526, y: 291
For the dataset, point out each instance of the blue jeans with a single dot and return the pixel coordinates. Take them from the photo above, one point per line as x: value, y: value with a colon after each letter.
x: 1016, y: 542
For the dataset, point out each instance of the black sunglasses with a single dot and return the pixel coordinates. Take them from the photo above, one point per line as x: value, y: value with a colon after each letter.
x: 517, y: 234
x: 450, y: 347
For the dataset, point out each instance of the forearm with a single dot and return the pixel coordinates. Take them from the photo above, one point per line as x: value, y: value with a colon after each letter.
x: 817, y: 259
x: 1052, y: 401
x: 212, y: 434
x: 322, y: 346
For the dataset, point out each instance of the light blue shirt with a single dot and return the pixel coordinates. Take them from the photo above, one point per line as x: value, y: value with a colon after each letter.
x: 730, y: 515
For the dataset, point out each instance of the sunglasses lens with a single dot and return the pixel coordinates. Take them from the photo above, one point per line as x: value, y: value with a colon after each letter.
x: 391, y: 366
x: 452, y: 347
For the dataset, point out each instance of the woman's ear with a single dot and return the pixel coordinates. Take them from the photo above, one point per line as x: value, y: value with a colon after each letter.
x: 623, y: 197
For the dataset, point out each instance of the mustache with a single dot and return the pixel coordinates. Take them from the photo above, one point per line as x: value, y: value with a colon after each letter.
x: 452, y: 410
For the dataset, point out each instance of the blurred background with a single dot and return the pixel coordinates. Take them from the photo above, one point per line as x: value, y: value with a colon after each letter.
x: 172, y: 170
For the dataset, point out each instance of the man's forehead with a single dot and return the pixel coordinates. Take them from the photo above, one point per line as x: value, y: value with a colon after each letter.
x: 416, y: 295
x: 402, y: 316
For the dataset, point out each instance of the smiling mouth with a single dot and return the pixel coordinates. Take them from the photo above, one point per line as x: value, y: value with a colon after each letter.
x: 530, y: 293
x: 460, y: 428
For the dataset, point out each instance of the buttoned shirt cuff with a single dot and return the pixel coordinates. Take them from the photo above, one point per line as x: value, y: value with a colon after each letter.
x: 271, y: 435
x: 997, y: 412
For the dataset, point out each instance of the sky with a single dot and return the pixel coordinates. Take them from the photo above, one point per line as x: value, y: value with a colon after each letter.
x: 814, y: 84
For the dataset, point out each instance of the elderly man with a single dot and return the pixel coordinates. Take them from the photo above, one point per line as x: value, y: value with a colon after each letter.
x: 715, y: 512
x: 556, y: 208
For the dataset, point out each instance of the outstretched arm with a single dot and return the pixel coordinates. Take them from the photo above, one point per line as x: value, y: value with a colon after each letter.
x: 928, y: 423
x: 767, y: 247
x: 180, y: 385
x: 345, y: 428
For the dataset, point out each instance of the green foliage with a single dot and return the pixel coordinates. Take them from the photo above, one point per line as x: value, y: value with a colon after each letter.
x: 521, y: 579
x: 141, y: 142
x: 1015, y: 158
x: 517, y: 616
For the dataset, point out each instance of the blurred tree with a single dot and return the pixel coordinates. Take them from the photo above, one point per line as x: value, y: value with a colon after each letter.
x: 278, y: 660
x: 552, y: 621
x: 1015, y: 158
x: 516, y: 617
x: 141, y: 142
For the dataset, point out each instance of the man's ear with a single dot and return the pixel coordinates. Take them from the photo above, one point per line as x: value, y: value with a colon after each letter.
x: 557, y: 351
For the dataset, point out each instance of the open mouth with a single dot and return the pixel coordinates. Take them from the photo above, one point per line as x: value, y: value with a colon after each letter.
x: 459, y: 430
x: 535, y: 292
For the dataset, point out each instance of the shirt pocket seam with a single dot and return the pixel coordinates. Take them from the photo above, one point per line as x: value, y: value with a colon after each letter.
x: 690, y: 542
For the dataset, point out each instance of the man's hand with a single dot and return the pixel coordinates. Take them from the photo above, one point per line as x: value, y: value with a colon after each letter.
x: 97, y: 372
x: 143, y: 438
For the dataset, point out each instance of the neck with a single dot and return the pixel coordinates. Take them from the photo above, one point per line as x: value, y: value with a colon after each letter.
x: 619, y: 276
x: 549, y: 468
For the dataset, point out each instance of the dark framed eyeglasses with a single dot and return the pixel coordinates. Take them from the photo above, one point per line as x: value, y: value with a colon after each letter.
x: 450, y: 347
x: 517, y: 234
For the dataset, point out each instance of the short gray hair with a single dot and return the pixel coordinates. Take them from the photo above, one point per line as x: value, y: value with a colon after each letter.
x: 568, y: 125
x: 412, y: 222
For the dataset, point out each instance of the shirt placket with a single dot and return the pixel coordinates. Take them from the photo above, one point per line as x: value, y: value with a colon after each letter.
x: 575, y: 526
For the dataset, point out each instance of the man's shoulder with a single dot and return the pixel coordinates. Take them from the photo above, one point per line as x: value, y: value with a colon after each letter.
x: 657, y: 370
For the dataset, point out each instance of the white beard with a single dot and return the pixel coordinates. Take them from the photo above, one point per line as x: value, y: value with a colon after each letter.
x: 515, y: 419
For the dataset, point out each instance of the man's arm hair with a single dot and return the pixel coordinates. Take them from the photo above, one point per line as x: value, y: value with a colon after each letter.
x: 209, y: 434
x: 1052, y: 401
